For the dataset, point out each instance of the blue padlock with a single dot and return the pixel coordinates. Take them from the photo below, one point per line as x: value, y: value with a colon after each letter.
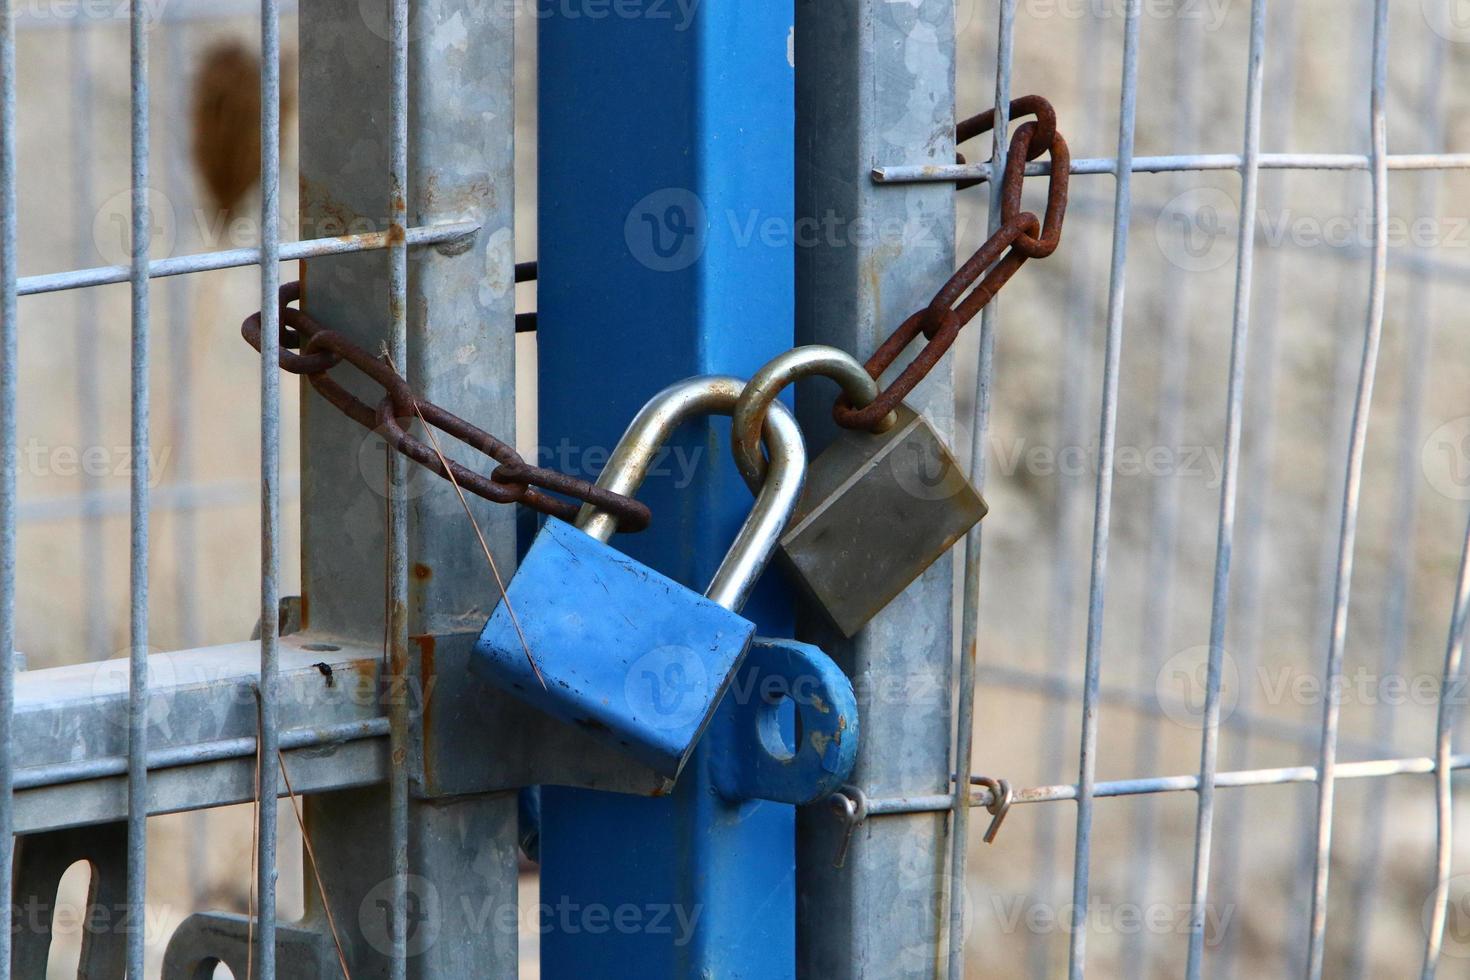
x: 627, y: 654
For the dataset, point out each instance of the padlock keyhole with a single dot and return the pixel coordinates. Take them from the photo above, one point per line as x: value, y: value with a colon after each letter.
x: 779, y: 725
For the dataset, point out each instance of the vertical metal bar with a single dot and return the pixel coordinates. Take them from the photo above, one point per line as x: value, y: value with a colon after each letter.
x: 678, y: 146
x: 1418, y: 326
x: 460, y: 353
x: 1341, y: 420
x: 970, y: 608
x: 1158, y: 612
x: 184, y: 520
x: 397, y: 497
x: 860, y: 67
x: 93, y: 598
x: 1225, y: 537
x: 1443, y: 792
x: 138, y: 500
x: 270, y: 478
x: 9, y: 373
x: 1257, y: 455
x: 1102, y: 513
x: 1352, y: 488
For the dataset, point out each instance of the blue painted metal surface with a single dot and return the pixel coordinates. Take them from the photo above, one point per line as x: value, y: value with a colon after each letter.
x: 787, y: 730
x: 665, y: 211
x: 626, y: 654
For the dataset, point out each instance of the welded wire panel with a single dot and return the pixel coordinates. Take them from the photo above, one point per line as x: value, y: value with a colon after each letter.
x: 1245, y: 474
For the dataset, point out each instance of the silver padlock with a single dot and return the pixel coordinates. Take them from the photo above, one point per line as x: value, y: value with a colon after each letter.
x: 879, y: 507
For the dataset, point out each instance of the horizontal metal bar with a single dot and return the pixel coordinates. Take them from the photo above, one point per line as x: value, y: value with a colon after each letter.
x: 52, y: 282
x: 70, y: 730
x: 1370, y: 769
x: 197, y: 753
x: 170, y: 497
x: 953, y: 173
x: 314, y: 769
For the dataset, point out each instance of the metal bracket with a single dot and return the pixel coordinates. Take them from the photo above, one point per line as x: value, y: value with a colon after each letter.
x: 531, y: 748
x: 205, y: 939
x: 757, y: 754
x: 40, y: 861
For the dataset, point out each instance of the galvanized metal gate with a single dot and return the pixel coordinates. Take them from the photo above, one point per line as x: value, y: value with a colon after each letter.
x: 354, y: 693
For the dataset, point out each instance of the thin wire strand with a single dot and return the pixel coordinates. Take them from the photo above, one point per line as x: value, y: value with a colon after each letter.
x: 1256, y: 486
x: 1102, y: 514
x: 1444, y: 736
x: 1373, y: 335
x: 1418, y: 325
x: 254, y: 852
x: 489, y: 558
x: 1225, y: 536
x: 1158, y: 611
x: 970, y: 604
x: 316, y: 873
x: 1071, y: 494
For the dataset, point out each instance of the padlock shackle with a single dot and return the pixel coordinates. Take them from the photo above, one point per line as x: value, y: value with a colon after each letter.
x: 784, y: 369
x: 775, y: 501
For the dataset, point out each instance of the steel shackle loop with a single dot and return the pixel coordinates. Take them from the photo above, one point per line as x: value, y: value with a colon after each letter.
x: 774, y: 505
x: 760, y: 394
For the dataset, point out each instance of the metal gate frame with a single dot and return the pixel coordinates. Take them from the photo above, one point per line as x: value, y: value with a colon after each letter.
x: 380, y: 766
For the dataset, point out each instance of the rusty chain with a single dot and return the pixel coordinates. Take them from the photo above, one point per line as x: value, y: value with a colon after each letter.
x: 310, y: 350
x: 1021, y: 236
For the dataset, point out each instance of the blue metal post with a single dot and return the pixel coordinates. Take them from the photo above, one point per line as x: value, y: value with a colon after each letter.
x: 666, y: 230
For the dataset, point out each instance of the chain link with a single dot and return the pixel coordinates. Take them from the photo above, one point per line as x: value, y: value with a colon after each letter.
x: 310, y: 350
x: 1021, y: 236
